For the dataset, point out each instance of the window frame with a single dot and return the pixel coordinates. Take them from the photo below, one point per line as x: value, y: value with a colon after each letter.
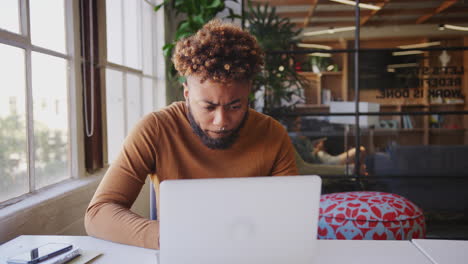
x: 52, y: 202
x: 157, y: 71
x: 23, y: 41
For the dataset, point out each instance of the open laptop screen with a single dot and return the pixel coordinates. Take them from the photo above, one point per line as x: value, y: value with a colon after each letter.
x: 239, y: 220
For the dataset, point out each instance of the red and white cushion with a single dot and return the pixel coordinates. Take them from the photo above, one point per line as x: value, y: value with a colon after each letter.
x: 369, y: 215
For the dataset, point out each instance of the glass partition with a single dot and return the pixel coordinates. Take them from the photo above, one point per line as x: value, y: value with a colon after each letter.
x: 394, y: 82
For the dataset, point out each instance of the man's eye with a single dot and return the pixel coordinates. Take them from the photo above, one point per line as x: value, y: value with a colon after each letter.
x: 235, y: 107
x: 210, y: 108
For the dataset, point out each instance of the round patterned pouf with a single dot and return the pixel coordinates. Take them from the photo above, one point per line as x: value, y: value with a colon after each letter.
x: 369, y: 215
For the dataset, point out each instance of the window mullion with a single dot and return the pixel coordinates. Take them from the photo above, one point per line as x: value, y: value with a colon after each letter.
x: 140, y: 46
x: 124, y: 61
x: 142, y: 111
x: 140, y: 34
x: 30, y: 122
x: 122, y: 68
x: 26, y: 30
x: 50, y: 52
x: 124, y: 101
x: 139, y: 29
x: 124, y: 75
x: 13, y: 39
x: 159, y: 69
x: 24, y: 19
x: 70, y: 12
x: 154, y: 76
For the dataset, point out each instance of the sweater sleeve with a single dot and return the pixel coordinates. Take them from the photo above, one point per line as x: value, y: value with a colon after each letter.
x: 108, y: 215
x: 285, y: 163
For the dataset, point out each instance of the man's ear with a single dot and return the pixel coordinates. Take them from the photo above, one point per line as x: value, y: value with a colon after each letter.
x: 186, y: 91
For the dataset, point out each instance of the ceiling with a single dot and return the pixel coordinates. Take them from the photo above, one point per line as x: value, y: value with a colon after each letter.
x: 395, y: 17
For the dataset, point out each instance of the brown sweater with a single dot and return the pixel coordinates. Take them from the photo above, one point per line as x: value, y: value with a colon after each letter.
x: 163, y: 146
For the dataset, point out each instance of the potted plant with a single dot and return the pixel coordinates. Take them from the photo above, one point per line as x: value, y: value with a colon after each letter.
x: 279, y: 79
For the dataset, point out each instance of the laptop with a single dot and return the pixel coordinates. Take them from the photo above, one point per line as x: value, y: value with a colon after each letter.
x: 258, y: 220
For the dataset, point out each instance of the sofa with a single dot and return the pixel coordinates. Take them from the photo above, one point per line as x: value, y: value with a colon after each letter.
x: 434, y: 177
x: 425, y: 160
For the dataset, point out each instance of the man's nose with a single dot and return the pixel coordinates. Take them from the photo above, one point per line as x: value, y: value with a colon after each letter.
x: 220, y: 118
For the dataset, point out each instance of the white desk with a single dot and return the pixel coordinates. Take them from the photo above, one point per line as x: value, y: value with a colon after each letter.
x: 329, y: 251
x: 444, y: 251
x: 369, y: 251
x: 112, y: 252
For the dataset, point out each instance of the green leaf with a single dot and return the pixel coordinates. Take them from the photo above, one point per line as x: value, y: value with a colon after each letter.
x: 198, y: 22
x: 179, y: 3
x: 181, y: 79
x: 184, y: 30
x: 184, y: 26
x: 167, y: 49
x: 232, y: 15
x: 184, y: 35
x: 272, y: 15
x: 215, y: 4
x: 202, y: 5
x: 156, y: 8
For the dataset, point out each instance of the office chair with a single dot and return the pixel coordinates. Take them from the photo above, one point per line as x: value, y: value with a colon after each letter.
x: 153, y: 211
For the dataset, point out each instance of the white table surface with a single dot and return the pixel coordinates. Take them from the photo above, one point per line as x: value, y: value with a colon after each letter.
x: 112, y: 252
x: 369, y: 251
x: 444, y: 251
x: 329, y: 251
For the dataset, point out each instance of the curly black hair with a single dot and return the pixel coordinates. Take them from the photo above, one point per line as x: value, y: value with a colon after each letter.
x: 219, y: 51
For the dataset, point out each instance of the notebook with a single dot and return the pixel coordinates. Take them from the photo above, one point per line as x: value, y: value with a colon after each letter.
x: 239, y: 220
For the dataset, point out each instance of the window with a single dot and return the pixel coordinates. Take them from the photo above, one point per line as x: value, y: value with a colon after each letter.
x: 131, y: 75
x: 35, y: 71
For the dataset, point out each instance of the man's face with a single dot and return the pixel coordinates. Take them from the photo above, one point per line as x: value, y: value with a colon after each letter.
x: 216, y: 110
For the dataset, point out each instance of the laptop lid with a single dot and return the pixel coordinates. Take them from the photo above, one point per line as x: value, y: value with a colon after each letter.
x: 239, y: 220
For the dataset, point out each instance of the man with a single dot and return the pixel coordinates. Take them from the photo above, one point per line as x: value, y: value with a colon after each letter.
x: 314, y: 151
x: 213, y: 134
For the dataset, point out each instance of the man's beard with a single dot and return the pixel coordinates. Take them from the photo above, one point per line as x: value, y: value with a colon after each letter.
x: 216, y: 143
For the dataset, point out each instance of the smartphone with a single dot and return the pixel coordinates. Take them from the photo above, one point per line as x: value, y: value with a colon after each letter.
x: 41, y: 253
